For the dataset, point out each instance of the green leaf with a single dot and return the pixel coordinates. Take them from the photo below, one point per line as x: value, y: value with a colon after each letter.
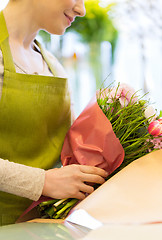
x: 160, y: 115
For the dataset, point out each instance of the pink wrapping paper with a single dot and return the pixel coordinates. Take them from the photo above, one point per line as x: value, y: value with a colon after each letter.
x: 91, y: 141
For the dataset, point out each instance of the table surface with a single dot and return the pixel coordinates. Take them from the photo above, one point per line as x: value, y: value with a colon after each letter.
x: 69, y: 231
x: 42, y: 231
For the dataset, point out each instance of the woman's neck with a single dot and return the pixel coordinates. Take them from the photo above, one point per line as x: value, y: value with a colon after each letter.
x: 20, y: 23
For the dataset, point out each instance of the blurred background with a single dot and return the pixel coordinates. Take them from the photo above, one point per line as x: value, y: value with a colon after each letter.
x: 117, y: 41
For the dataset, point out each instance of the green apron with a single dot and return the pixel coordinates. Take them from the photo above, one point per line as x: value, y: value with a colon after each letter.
x: 34, y: 118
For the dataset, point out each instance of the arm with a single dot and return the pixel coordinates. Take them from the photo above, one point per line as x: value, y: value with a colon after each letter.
x: 21, y: 180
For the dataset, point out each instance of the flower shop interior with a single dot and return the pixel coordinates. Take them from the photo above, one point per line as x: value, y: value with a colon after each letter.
x: 117, y: 41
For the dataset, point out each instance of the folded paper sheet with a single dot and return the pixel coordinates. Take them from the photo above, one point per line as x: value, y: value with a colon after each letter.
x: 91, y: 141
x: 132, y: 196
x: 81, y: 217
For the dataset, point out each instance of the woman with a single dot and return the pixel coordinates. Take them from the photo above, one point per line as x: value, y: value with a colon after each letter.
x: 35, y: 109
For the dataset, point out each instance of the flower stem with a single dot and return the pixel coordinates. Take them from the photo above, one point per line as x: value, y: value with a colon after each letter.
x: 68, y: 205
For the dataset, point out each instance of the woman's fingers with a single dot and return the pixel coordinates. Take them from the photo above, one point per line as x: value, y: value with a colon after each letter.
x: 86, y: 188
x: 93, y: 174
x: 92, y: 178
x: 79, y: 196
x: 83, y: 189
x: 93, y: 170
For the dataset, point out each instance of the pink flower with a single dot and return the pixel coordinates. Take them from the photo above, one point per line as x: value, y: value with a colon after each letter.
x: 124, y: 93
x: 155, y: 128
x: 157, y: 142
x: 160, y: 120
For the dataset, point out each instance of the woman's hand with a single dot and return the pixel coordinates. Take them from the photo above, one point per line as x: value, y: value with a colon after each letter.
x: 70, y: 181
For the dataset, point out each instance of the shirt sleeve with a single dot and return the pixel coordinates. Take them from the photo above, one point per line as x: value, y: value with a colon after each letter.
x: 21, y: 180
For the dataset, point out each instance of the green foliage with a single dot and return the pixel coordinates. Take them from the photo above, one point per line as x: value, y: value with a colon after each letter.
x: 160, y: 116
x: 129, y: 125
x: 96, y: 26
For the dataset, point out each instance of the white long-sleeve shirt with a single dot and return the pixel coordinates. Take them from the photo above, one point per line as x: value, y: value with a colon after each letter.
x: 16, y: 178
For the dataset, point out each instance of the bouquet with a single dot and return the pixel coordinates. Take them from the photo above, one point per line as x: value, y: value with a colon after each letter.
x: 133, y: 120
x: 113, y: 131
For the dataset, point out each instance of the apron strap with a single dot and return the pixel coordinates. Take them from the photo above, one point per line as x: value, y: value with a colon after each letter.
x: 4, y: 45
x: 44, y: 53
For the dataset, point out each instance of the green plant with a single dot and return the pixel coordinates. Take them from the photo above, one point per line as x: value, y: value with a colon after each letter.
x: 96, y: 25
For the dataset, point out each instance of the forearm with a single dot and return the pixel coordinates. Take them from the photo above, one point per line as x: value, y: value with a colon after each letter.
x: 21, y: 180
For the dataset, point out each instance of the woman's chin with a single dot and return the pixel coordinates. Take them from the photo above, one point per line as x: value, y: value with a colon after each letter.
x: 61, y: 32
